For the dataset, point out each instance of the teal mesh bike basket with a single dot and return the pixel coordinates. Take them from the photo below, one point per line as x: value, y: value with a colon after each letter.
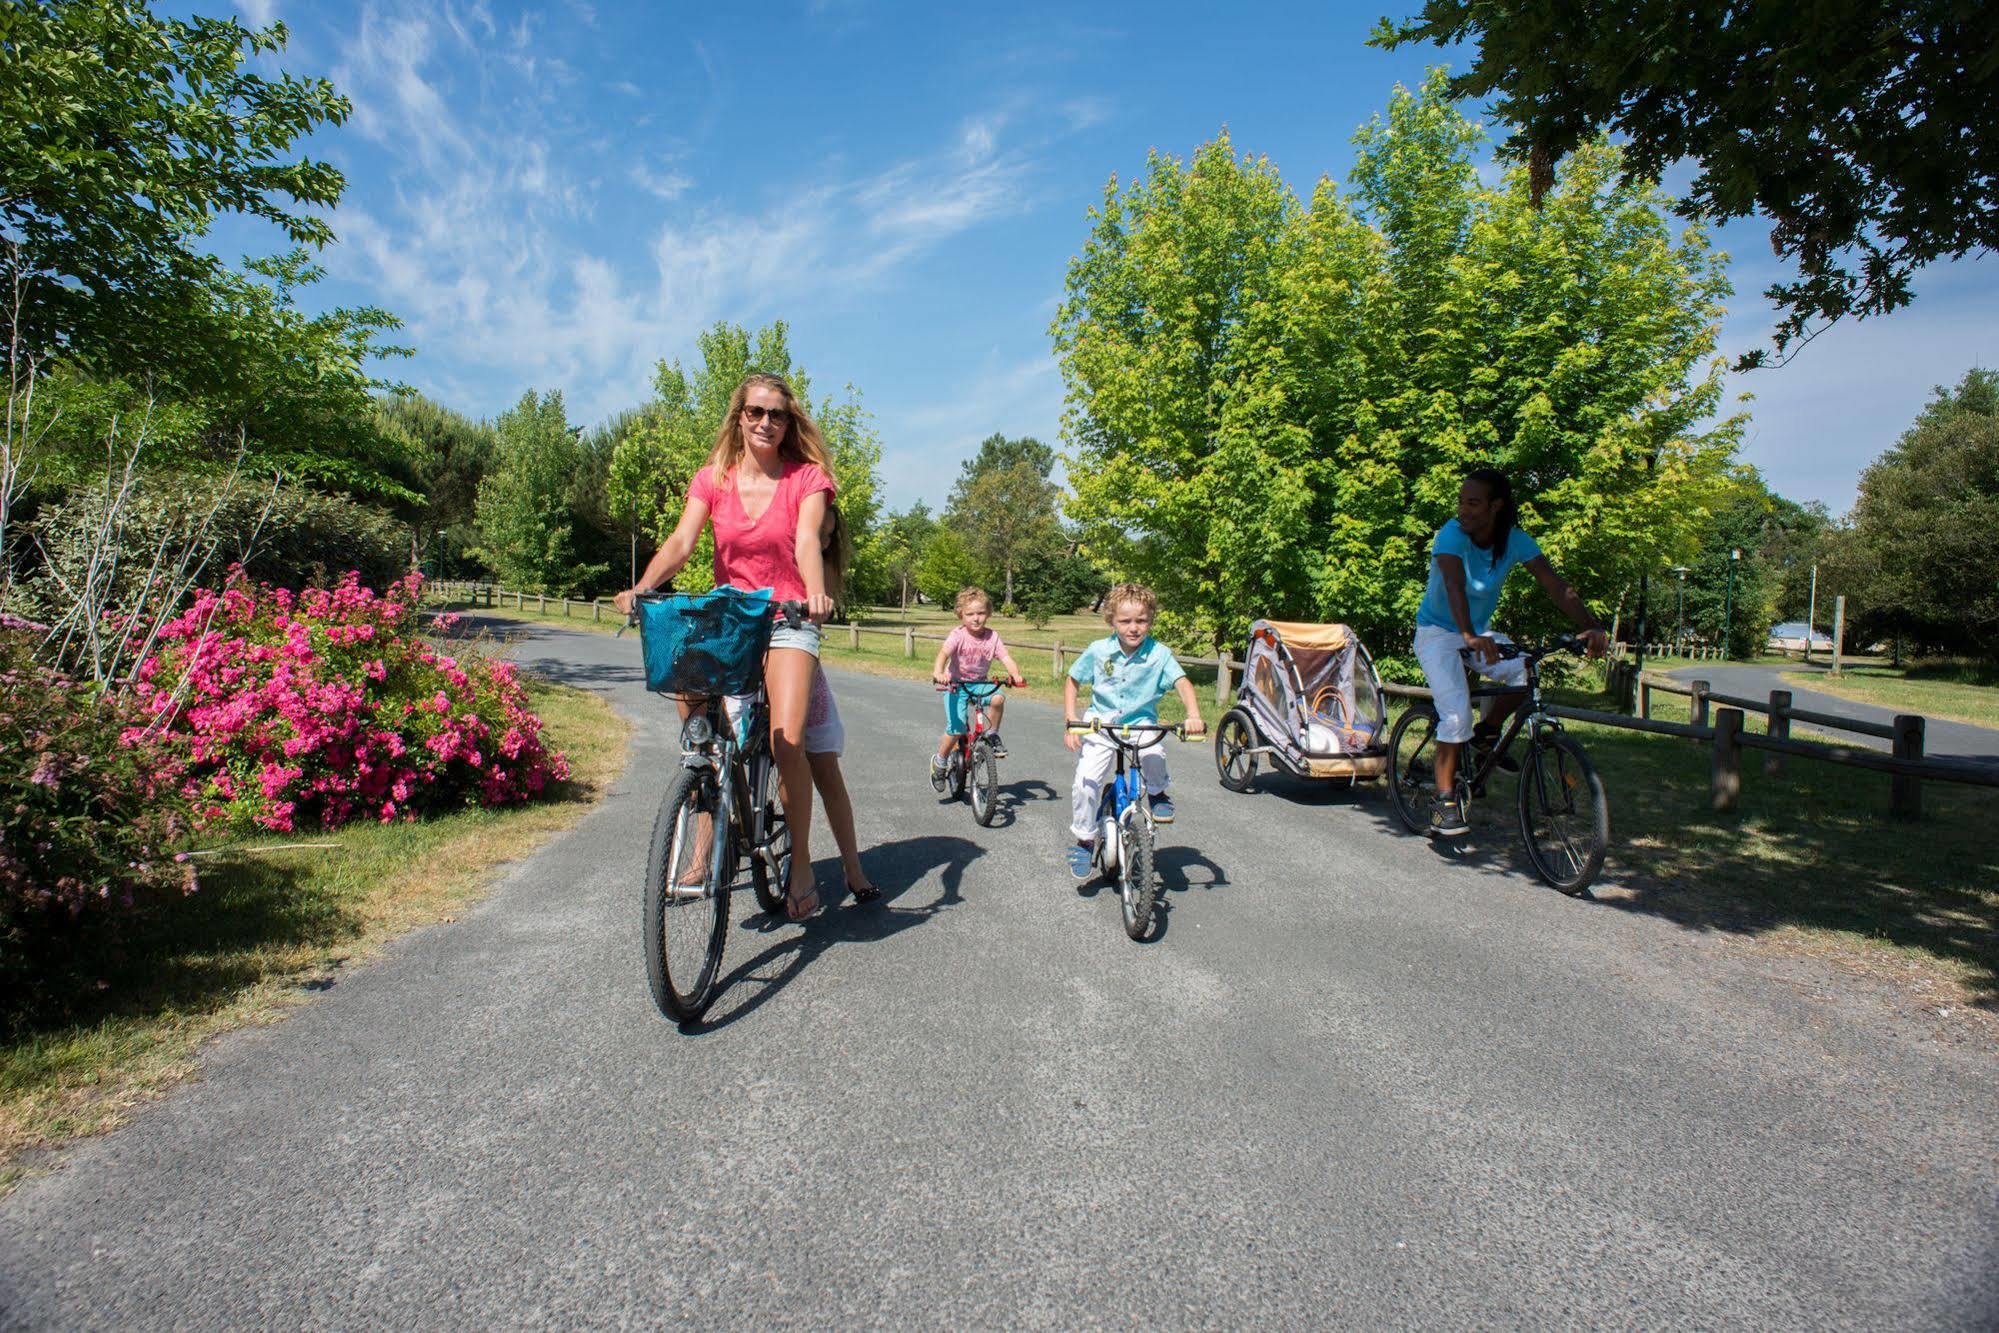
x: 708, y: 643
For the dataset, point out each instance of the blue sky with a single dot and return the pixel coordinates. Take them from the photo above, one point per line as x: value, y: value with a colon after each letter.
x: 559, y: 195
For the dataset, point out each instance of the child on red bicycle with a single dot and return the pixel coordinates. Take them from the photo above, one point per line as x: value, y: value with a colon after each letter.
x: 967, y: 654
x: 1128, y: 672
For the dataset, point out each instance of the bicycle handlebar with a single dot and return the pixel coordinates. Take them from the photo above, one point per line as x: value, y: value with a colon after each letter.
x: 792, y: 613
x: 981, y: 689
x: 1506, y: 652
x: 1122, y: 731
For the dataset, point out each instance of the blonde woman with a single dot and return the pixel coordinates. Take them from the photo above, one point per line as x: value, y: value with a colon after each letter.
x: 765, y: 489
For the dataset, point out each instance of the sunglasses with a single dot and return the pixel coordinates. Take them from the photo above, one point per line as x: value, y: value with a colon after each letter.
x: 778, y: 415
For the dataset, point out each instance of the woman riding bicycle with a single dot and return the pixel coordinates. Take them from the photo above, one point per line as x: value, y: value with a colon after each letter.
x: 765, y: 488
x: 1470, y: 557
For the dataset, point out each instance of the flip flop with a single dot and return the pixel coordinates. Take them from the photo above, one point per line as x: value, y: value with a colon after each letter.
x: 864, y: 893
x: 792, y: 901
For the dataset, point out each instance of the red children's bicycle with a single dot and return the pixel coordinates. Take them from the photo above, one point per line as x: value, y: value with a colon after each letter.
x: 972, y: 768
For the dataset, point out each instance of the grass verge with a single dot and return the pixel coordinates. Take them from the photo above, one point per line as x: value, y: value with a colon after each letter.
x: 1959, y: 696
x: 268, y: 926
x: 1809, y: 863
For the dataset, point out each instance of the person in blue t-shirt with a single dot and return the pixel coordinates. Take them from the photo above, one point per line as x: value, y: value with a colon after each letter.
x: 1128, y: 672
x: 1469, y: 561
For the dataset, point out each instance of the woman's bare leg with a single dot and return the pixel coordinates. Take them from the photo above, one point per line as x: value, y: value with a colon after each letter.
x: 832, y: 785
x: 788, y: 682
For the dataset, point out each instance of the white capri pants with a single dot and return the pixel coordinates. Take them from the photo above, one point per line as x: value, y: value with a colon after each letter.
x: 1093, y: 764
x: 1437, y: 649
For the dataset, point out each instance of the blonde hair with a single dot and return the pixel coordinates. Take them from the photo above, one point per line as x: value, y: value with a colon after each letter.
x: 972, y: 593
x: 1129, y: 592
x: 802, y: 441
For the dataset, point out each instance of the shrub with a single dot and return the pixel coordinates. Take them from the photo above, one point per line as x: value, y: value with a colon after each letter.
x: 83, y: 844
x: 305, y: 539
x: 287, y: 710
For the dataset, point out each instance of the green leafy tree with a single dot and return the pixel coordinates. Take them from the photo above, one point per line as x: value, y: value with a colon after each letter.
x: 122, y: 135
x: 1055, y: 580
x: 947, y: 565
x: 903, y: 538
x: 449, y: 455
x: 527, y: 528
x: 1866, y: 129
x: 997, y: 453
x: 1005, y: 516
x: 1271, y: 407
x: 1915, y: 563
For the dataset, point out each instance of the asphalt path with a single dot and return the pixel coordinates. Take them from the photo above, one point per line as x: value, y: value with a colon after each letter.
x: 1941, y: 739
x: 1352, y: 1081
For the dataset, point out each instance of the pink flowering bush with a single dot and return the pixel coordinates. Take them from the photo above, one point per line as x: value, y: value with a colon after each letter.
x: 83, y: 846
x: 288, y: 711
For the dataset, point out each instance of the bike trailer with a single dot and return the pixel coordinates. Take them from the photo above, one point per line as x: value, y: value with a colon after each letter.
x: 707, y: 643
x: 1315, y: 701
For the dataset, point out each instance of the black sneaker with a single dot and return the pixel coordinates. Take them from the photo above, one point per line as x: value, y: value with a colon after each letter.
x: 940, y: 776
x: 1447, y: 819
x: 997, y: 746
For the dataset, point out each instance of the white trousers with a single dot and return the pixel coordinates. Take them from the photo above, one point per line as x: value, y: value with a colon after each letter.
x: 1437, y: 650
x: 1094, y: 763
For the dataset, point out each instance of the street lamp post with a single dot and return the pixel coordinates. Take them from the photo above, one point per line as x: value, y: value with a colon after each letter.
x: 1680, y: 616
x: 1728, y: 599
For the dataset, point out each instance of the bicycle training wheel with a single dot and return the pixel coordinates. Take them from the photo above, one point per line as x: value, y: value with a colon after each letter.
x: 1234, y: 738
x: 1134, y: 870
x: 1564, y: 814
x: 1412, y: 757
x: 687, y: 896
x: 984, y: 784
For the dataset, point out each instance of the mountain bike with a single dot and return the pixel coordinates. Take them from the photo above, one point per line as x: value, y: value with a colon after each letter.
x: 720, y: 811
x: 1564, y: 813
x: 1126, y: 835
x: 972, y: 768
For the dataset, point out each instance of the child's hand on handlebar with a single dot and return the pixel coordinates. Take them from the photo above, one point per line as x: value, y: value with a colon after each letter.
x: 1193, y: 726
x: 1017, y: 682
x: 1483, y: 648
x: 1070, y: 737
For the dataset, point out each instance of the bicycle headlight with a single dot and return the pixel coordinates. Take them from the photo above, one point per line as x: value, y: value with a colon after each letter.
x: 697, y: 732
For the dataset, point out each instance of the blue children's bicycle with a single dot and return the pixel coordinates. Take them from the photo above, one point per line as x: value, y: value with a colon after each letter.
x: 1125, y: 831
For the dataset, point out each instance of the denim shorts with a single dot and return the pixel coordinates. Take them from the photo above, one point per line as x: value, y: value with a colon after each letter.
x: 805, y: 637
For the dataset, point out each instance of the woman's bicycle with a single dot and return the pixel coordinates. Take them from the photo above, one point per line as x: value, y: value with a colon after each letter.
x: 1126, y: 835
x: 972, y: 768
x: 1564, y: 814
x: 720, y: 811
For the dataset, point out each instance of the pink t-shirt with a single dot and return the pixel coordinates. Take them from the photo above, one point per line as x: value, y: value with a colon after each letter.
x: 760, y: 553
x: 972, y: 657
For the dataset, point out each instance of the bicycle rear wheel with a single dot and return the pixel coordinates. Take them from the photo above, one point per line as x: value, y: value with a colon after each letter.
x: 984, y: 784
x: 1564, y: 814
x: 687, y: 895
x: 1412, y: 757
x: 777, y: 845
x: 1135, y: 886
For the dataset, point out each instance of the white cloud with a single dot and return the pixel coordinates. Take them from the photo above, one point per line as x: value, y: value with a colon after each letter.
x: 259, y: 12
x: 664, y: 183
x: 923, y: 445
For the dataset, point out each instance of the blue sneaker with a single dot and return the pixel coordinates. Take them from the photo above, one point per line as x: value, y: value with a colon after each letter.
x: 1082, y: 861
x: 1162, y: 808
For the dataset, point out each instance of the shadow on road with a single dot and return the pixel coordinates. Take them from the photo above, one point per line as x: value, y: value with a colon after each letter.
x: 896, y: 868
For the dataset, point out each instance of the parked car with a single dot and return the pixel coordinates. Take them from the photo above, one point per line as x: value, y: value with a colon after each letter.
x: 1789, y: 637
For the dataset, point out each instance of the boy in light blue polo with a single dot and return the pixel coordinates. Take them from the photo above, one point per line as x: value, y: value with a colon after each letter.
x: 1128, y: 673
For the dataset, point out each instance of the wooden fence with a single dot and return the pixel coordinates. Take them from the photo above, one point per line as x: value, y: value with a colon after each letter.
x: 1716, y: 718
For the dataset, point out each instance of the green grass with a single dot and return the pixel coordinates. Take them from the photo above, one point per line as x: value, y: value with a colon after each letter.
x: 267, y: 927
x: 1809, y: 862
x: 1961, y: 692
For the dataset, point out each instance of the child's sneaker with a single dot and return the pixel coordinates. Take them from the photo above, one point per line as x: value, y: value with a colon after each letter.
x: 1082, y: 861
x: 1447, y: 818
x: 997, y: 745
x: 1162, y: 808
x: 940, y: 776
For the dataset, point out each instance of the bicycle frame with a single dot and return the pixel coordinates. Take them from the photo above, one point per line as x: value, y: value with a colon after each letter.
x: 978, y: 693
x: 1534, y: 716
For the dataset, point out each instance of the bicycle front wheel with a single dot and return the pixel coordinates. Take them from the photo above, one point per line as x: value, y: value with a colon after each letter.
x: 687, y: 895
x: 1412, y: 760
x: 1564, y: 814
x: 1135, y: 887
x: 985, y: 784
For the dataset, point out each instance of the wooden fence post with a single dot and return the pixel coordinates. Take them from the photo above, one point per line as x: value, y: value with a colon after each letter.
x: 1222, y: 690
x: 1838, y: 632
x: 854, y: 637
x: 520, y: 600
x: 1725, y: 767
x: 565, y: 608
x: 1644, y: 696
x: 1905, y: 795
x: 1697, y: 700
x: 1779, y: 729
x: 541, y: 603
x: 596, y: 611
x: 909, y: 642
x: 1059, y: 659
